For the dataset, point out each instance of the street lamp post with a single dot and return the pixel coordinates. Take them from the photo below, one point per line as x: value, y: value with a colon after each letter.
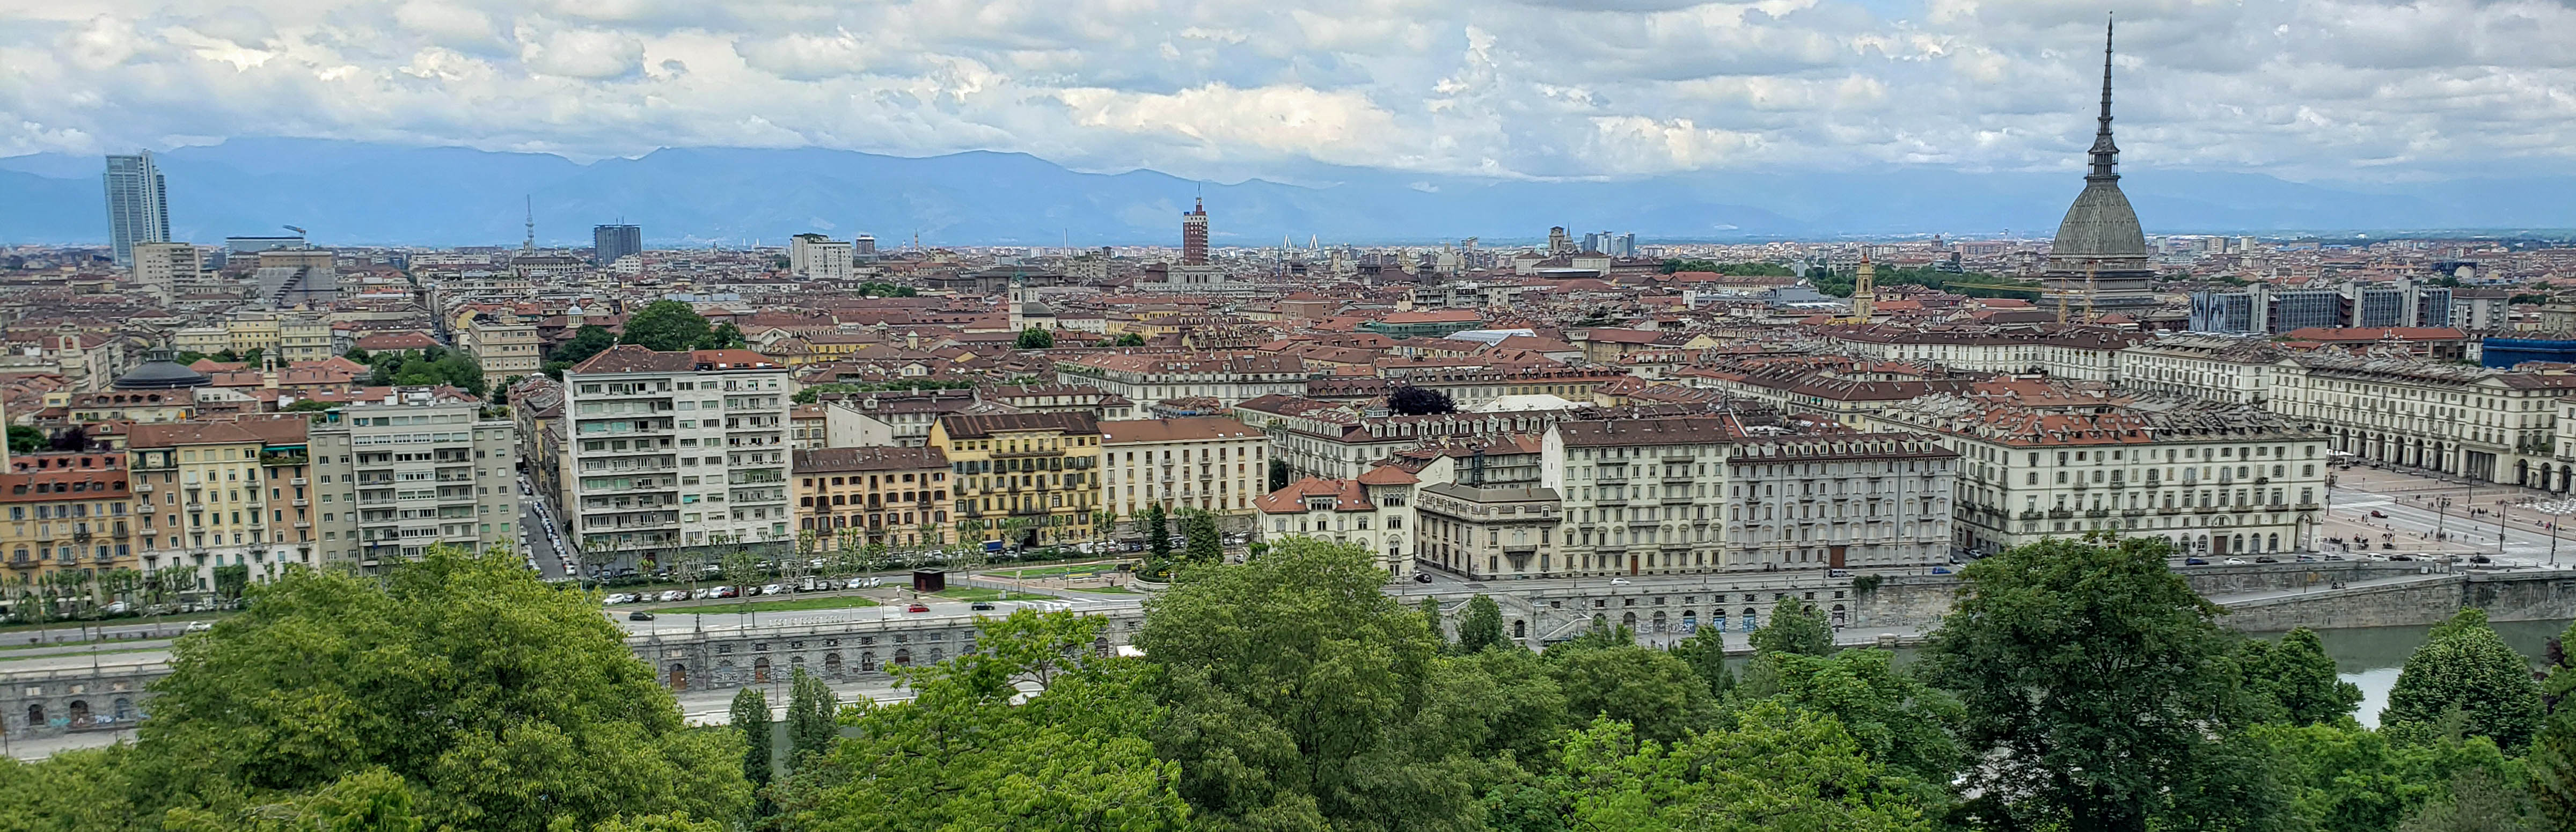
x: 2502, y: 508
x: 2442, y: 517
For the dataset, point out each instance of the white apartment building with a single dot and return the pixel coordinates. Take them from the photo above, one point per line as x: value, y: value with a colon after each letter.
x: 162, y: 267
x: 1373, y: 511
x: 1210, y: 463
x: 1640, y: 496
x: 2487, y: 424
x: 1838, y: 501
x: 2215, y: 367
x: 2080, y: 353
x: 2212, y: 477
x: 414, y: 470
x: 665, y: 450
x: 816, y: 257
x: 1486, y: 533
x: 1146, y: 378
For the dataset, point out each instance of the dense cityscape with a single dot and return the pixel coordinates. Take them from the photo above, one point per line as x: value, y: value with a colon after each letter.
x: 2099, y: 530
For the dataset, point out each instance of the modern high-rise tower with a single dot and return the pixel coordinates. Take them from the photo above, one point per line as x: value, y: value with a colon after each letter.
x: 1194, y: 232
x: 138, y: 208
x: 2100, y: 260
x: 609, y: 242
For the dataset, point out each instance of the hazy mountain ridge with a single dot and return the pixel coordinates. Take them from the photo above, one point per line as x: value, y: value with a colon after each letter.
x: 358, y: 193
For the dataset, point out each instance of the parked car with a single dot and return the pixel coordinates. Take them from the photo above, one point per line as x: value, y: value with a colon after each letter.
x: 2236, y: 561
x: 771, y: 589
x: 639, y: 615
x: 917, y: 607
x: 2480, y: 559
x: 2195, y: 561
x: 724, y: 592
x: 2266, y: 559
x: 1618, y: 582
x: 1421, y: 577
x: 200, y: 626
x: 676, y: 595
x: 2399, y: 557
x: 981, y: 606
x: 1940, y: 570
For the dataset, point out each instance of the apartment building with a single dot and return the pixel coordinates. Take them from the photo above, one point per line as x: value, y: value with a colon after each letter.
x: 1373, y: 511
x: 1839, y: 501
x: 1488, y: 533
x: 1641, y: 496
x: 1209, y: 463
x: 2213, y: 477
x: 163, y: 267
x: 894, y: 496
x: 2485, y: 424
x: 816, y: 257
x: 505, y: 344
x: 2215, y: 367
x: 2074, y: 353
x: 202, y: 497
x: 414, y: 470
x: 1031, y: 479
x: 898, y: 417
x: 68, y: 512
x: 1146, y: 378
x: 665, y: 450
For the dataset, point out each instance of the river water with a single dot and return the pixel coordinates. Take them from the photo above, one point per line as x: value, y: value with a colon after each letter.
x: 2371, y: 656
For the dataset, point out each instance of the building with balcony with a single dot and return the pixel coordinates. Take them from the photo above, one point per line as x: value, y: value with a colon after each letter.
x: 505, y: 344
x: 670, y: 450
x: 1373, y: 511
x: 1486, y: 533
x: 1209, y: 463
x: 68, y: 512
x: 202, y: 504
x: 2213, y: 477
x: 895, y: 496
x: 1031, y: 479
x: 399, y: 475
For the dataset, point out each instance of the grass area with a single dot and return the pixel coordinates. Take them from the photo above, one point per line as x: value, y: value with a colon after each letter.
x: 784, y: 605
x: 1103, y: 590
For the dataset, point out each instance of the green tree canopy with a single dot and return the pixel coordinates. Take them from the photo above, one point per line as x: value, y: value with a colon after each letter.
x: 25, y: 440
x: 1128, y: 339
x: 2296, y: 681
x: 1772, y: 768
x: 2094, y: 681
x: 665, y: 326
x: 503, y: 703
x: 812, y: 711
x: 1481, y: 625
x: 1289, y: 678
x: 2463, y: 664
x: 1635, y: 684
x: 1034, y: 338
x: 589, y: 340
x: 1897, y: 720
x: 961, y: 756
x: 1795, y: 627
x: 1203, y: 542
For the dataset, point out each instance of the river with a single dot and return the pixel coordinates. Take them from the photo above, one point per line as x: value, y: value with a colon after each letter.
x: 2371, y: 656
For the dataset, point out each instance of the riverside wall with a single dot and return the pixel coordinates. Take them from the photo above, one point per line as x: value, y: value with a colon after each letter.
x: 2274, y: 597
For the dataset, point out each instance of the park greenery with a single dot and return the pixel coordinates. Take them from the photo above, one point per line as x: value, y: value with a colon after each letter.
x: 1972, y: 284
x: 422, y: 368
x: 1672, y: 265
x: 2077, y: 685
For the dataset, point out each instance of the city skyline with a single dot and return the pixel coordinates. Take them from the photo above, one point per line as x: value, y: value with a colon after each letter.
x: 1305, y: 93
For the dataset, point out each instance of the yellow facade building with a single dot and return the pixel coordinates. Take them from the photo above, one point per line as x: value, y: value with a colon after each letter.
x: 1027, y: 479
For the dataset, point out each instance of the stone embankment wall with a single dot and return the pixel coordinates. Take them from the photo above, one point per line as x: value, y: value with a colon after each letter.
x: 2283, y: 596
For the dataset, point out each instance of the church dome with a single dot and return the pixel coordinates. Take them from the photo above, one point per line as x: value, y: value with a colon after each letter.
x: 2100, y: 224
x: 161, y: 374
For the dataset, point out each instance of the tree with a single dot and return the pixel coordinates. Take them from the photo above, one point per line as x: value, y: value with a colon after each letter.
x: 1204, y: 543
x: 743, y: 569
x: 960, y: 755
x: 1158, y: 535
x: 2478, y: 802
x: 501, y: 702
x: 1431, y: 616
x: 751, y: 721
x: 1705, y: 653
x: 1770, y: 768
x: 666, y: 326
x: 1409, y: 400
x: 1896, y: 719
x: 309, y: 406
x: 25, y: 440
x: 2296, y: 679
x: 2094, y: 680
x: 1288, y: 677
x: 1480, y: 626
x: 725, y: 336
x: 1128, y: 339
x: 1278, y: 474
x: 2463, y: 664
x: 812, y: 711
x: 1795, y: 627
x: 589, y: 340
x: 1034, y: 338
x: 2553, y: 750
x: 74, y: 438
x: 1634, y: 684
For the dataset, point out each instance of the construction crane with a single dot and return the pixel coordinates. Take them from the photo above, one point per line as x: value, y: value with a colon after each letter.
x: 298, y: 231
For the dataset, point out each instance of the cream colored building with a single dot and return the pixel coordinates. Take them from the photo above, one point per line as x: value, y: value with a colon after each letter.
x: 163, y: 267
x: 303, y: 336
x: 670, y: 450
x: 1373, y: 511
x: 1209, y: 463
x: 505, y: 344
x: 411, y: 471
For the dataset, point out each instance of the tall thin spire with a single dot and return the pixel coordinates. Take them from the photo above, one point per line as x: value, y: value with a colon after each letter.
x: 2106, y: 156
x: 530, y: 244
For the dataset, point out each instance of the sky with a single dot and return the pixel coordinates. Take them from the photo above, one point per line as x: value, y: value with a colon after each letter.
x: 1303, y: 90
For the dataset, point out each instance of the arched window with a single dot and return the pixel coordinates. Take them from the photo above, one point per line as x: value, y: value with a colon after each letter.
x: 760, y: 670
x: 903, y: 656
x: 832, y: 665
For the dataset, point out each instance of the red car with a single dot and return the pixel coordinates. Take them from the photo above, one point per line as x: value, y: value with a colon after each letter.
x: 917, y: 607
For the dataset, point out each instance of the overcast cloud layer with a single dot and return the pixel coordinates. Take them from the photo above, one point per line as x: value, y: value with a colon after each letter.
x: 1225, y: 89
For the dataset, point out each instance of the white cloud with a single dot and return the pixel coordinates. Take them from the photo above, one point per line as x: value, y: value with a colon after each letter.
x: 1541, y: 88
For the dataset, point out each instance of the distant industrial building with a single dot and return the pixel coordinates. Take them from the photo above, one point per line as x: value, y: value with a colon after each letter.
x: 2261, y: 309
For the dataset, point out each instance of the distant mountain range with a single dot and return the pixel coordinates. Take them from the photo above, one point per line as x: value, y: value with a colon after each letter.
x: 353, y: 193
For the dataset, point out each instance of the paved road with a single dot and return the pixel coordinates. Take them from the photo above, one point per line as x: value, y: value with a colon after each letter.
x: 2412, y: 521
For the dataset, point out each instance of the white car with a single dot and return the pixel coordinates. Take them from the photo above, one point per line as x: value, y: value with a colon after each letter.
x: 853, y: 583
x: 2236, y: 561
x: 1618, y: 582
x: 771, y: 589
x: 200, y: 626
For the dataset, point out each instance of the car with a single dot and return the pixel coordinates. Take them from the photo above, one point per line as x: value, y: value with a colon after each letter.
x: 1940, y: 570
x: 2399, y: 557
x: 2306, y: 558
x: 2195, y: 561
x: 639, y: 615
x: 853, y: 583
x: 2480, y: 559
x: 2266, y: 559
x: 200, y: 626
x: 675, y: 595
x: 917, y: 607
x: 1618, y: 582
x: 981, y: 606
x: 724, y: 592
x: 2236, y: 561
x: 1421, y: 577
x: 2379, y: 514
x: 771, y: 589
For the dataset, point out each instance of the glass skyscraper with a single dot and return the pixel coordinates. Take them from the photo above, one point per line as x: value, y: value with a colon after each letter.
x: 138, y: 208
